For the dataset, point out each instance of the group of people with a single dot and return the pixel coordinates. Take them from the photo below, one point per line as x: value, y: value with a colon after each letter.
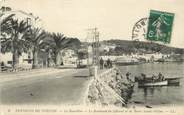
x: 159, y: 77
x: 105, y: 63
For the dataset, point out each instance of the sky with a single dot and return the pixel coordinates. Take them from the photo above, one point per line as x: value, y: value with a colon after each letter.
x: 113, y: 18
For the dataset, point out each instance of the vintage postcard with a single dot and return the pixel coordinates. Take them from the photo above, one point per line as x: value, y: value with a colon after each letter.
x: 91, y: 57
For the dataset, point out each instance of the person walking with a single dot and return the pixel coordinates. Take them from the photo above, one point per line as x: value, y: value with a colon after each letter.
x: 128, y: 76
x: 101, y: 63
x: 109, y: 63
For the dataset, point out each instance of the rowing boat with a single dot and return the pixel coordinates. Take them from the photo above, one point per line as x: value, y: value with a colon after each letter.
x: 152, y: 83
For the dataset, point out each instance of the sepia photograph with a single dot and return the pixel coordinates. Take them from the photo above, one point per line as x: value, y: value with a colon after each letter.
x: 91, y: 57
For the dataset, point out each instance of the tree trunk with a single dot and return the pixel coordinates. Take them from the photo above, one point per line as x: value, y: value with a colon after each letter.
x: 15, y: 60
x: 49, y: 59
x: 58, y: 59
x: 35, y: 59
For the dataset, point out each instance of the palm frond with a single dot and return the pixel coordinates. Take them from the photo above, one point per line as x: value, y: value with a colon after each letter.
x: 7, y: 19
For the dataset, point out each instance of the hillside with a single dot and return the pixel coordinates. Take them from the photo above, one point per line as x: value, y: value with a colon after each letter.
x: 124, y: 46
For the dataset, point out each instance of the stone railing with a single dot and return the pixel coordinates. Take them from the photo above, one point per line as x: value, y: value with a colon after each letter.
x: 108, y: 88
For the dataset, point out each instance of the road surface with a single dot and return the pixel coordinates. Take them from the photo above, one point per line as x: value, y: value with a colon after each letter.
x: 58, y: 88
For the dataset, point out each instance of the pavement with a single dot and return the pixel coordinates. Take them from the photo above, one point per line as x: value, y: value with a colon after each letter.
x: 9, y: 76
x: 44, y: 86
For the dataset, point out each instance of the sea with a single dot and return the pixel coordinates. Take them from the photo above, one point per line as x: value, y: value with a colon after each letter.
x: 157, y: 96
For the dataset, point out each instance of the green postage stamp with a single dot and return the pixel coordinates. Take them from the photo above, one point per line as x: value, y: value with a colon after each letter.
x: 160, y: 26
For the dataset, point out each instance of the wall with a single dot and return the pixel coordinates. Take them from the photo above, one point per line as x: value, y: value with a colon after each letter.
x: 110, y: 88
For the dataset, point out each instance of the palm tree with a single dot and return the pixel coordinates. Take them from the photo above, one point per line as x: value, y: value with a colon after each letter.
x: 59, y: 40
x: 15, y: 42
x: 57, y: 44
x: 4, y: 28
x: 36, y: 37
x: 6, y: 24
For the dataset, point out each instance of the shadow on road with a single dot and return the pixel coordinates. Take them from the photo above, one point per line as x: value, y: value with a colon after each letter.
x: 81, y: 76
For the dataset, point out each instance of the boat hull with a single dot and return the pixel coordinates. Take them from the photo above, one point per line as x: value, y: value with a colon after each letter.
x: 126, y: 63
x: 153, y: 84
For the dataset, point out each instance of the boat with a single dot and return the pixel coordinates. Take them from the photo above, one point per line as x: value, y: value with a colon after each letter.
x: 152, y: 83
x: 173, y: 81
x: 158, y: 82
x: 126, y: 61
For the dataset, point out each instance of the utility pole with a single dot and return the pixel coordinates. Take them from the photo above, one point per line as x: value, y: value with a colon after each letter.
x: 92, y: 42
x: 93, y: 37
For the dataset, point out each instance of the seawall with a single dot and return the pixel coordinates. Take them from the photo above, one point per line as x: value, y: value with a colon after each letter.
x: 109, y: 88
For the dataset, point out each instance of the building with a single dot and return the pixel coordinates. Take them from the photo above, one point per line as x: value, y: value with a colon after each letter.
x: 35, y: 21
x: 107, y: 47
x: 69, y: 57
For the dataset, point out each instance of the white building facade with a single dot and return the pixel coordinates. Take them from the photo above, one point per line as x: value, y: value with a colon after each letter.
x: 69, y: 57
